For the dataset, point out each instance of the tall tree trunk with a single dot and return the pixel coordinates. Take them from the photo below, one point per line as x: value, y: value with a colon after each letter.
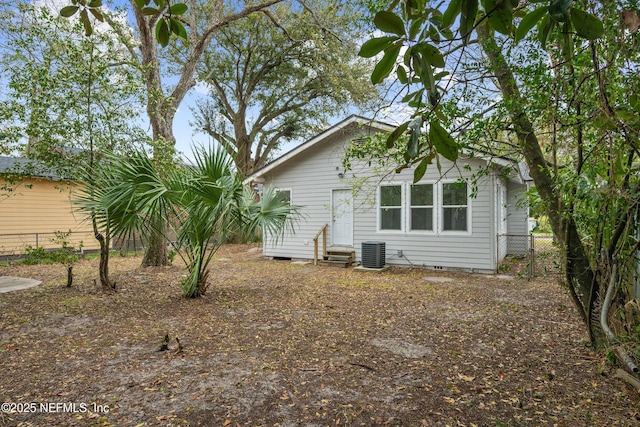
x: 161, y: 112
x: 104, y: 256
x: 162, y: 106
x: 243, y: 144
x: 156, y: 251
x: 579, y: 270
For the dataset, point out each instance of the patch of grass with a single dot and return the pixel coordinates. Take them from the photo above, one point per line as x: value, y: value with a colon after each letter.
x: 75, y: 303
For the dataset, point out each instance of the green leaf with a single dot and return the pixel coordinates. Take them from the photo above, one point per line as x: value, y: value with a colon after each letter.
x: 544, y: 30
x: 84, y: 17
x: 406, y: 58
x: 434, y: 35
x: 178, y: 9
x: 68, y: 11
x: 426, y: 74
x: 389, y: 22
x: 634, y: 101
x: 560, y: 10
x: 162, y: 32
x: 415, y: 126
x: 450, y: 14
x: 177, y: 28
x: 499, y: 17
x: 141, y: 3
x: 384, y: 67
x: 447, y: 33
x: 421, y: 169
x: 414, y: 29
x: 430, y: 53
x: 468, y: 12
x: 586, y: 25
x: 402, y: 75
x: 372, y: 47
x: 397, y: 133
x: 97, y: 14
x: 441, y: 75
x: 95, y: 3
x: 150, y: 11
x: 443, y: 141
x: 529, y: 21
x: 413, y: 95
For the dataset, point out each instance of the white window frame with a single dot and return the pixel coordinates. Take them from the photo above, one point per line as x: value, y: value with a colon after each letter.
x: 434, y: 208
x: 277, y: 190
x: 402, y: 208
x: 441, y: 207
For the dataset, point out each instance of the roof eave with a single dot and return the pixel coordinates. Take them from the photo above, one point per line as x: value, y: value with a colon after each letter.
x: 354, y: 119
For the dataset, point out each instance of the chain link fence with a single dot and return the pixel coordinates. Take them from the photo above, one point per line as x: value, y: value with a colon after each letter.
x: 546, y: 256
x: 527, y: 255
x: 15, y: 244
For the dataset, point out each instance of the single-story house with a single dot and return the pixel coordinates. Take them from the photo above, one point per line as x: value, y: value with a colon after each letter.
x: 455, y: 217
x: 34, y: 204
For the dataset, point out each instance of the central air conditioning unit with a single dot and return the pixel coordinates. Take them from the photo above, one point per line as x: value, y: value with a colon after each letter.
x: 373, y: 254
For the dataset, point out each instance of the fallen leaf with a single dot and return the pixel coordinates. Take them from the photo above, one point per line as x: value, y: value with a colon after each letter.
x: 466, y: 378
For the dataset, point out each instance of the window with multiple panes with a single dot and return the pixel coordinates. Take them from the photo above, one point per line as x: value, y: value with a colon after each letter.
x: 421, y: 206
x: 424, y: 207
x: 391, y: 207
x: 454, y: 206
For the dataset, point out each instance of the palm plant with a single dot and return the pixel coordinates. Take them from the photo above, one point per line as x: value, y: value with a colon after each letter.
x: 203, y: 204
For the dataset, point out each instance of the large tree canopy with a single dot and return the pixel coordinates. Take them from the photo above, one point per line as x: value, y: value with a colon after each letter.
x: 166, y: 82
x: 65, y: 94
x: 552, y: 83
x: 270, y: 84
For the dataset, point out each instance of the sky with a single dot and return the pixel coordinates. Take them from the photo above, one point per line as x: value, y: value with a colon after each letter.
x: 186, y: 135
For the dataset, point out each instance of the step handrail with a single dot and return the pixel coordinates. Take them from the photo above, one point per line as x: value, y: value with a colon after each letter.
x: 323, y: 232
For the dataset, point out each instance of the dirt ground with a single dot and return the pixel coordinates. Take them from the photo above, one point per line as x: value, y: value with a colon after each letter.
x: 281, y: 344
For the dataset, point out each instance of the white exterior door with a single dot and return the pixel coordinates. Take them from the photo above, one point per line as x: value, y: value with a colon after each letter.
x: 342, y: 218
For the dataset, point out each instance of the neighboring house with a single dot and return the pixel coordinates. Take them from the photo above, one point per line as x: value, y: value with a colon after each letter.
x: 455, y: 220
x: 34, y: 204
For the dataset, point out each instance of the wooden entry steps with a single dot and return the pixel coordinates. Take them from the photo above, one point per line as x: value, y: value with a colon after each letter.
x: 342, y: 257
x: 335, y: 256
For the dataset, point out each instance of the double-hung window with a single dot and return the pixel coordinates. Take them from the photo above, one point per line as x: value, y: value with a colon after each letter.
x: 424, y: 207
x: 421, y: 202
x: 390, y: 215
x: 454, y: 206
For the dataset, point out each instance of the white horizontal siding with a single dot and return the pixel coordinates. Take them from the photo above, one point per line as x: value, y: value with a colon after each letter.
x: 310, y: 176
x: 517, y: 217
x: 314, y: 173
x: 448, y: 250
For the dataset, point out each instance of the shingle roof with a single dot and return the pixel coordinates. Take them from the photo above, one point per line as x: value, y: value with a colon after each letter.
x: 22, y: 165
